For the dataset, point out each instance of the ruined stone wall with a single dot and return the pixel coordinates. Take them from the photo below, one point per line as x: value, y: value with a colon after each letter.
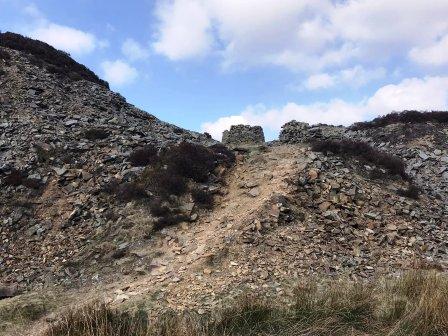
x: 298, y: 132
x: 243, y: 135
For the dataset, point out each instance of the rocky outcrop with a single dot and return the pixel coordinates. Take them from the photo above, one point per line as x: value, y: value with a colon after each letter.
x: 243, y: 135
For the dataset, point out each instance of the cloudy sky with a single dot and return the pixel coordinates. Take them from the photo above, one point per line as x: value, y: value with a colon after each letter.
x: 207, y: 64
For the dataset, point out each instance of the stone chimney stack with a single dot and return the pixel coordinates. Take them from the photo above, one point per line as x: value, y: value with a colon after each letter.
x: 243, y: 136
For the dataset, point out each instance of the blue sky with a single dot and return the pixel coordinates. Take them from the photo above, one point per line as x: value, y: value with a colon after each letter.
x: 207, y: 64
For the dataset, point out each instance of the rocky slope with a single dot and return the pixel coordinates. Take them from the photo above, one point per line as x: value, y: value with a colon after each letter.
x: 61, y: 141
x: 289, y: 214
x: 282, y: 213
x: 421, y: 145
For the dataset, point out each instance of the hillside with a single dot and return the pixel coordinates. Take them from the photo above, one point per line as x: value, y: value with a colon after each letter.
x: 100, y: 200
x: 61, y: 141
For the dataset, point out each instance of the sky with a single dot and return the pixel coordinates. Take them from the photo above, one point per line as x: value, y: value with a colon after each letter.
x: 207, y: 64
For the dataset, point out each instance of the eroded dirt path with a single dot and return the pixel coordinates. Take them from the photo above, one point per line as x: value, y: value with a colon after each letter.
x: 201, y: 261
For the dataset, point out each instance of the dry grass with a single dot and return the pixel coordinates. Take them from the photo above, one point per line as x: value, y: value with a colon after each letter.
x: 415, y: 304
x: 21, y: 311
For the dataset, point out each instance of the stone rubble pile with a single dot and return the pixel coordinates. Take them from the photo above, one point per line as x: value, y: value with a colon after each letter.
x: 243, y: 135
x: 345, y: 222
x: 298, y: 132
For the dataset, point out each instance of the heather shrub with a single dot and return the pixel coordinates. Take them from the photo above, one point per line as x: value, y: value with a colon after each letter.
x: 164, y: 181
x: 364, y: 151
x: 56, y: 61
x: 174, y: 171
x: 4, y: 55
x: 31, y: 183
x: 190, y: 161
x: 376, y: 174
x: 409, y: 117
x: 223, y: 155
x: 96, y: 134
x: 143, y: 156
x: 158, y: 208
x: 202, y: 197
x: 169, y: 219
x: 411, y: 192
x: 15, y: 178
x: 126, y: 191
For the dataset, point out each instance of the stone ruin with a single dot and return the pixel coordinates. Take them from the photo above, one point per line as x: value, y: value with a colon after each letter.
x: 298, y: 132
x: 244, y: 136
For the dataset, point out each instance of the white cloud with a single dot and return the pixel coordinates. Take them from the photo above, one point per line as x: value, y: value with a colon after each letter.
x: 430, y: 93
x: 217, y: 127
x: 118, y: 73
x: 434, y: 54
x: 374, y: 23
x: 33, y: 11
x: 356, y: 76
x: 133, y: 50
x: 184, y: 29
x: 308, y: 35
x: 320, y: 81
x: 71, y: 40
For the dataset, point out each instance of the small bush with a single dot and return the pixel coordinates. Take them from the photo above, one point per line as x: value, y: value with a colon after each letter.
x: 130, y: 191
x: 31, y: 183
x: 164, y: 181
x: 15, y: 178
x: 203, y: 197
x: 110, y: 187
x: 409, y: 117
x: 96, y: 134
x: 190, y: 161
x: 158, y: 208
x: 125, y: 191
x: 411, y: 192
x: 143, y: 156
x: 169, y: 219
x: 376, y: 174
x: 4, y: 55
x: 223, y: 155
x: 364, y: 151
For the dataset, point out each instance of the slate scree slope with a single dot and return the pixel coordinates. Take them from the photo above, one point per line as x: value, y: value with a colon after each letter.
x: 283, y: 211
